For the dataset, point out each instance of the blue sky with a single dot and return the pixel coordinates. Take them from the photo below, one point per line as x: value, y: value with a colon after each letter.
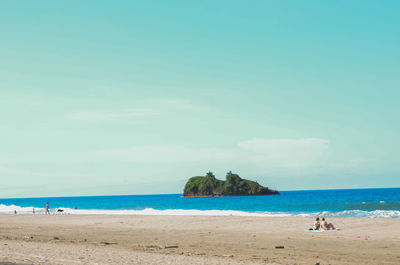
x: 135, y: 97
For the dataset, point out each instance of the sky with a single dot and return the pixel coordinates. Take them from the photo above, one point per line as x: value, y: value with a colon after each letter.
x: 136, y: 97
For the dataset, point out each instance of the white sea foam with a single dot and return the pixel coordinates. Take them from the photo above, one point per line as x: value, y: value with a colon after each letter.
x: 364, y: 214
x: 9, y: 209
x: 12, y: 208
x: 179, y: 212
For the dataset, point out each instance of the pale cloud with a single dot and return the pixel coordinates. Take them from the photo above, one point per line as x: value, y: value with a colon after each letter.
x: 167, y: 154
x: 179, y: 105
x: 115, y: 115
x: 23, y: 172
x: 262, y: 145
x: 289, y: 153
x: 144, y: 108
x: 268, y: 155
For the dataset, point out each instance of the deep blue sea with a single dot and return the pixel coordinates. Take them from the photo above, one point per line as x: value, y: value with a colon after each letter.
x: 340, y: 203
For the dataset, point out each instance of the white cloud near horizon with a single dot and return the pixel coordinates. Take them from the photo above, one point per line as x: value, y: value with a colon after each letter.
x: 4, y: 170
x: 268, y: 155
x: 294, y: 153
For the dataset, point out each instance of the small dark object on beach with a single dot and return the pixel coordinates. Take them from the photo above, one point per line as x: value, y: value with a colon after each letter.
x: 279, y: 247
x: 109, y: 243
x: 56, y: 238
x: 317, y: 263
x: 171, y: 246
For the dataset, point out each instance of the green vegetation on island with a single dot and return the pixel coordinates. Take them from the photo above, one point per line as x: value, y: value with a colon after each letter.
x: 209, y: 186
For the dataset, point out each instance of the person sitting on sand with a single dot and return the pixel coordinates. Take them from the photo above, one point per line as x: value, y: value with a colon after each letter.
x: 327, y: 226
x: 317, y: 224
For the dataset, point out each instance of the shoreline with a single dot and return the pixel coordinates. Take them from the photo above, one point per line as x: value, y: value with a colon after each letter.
x: 391, y: 214
x: 66, y: 239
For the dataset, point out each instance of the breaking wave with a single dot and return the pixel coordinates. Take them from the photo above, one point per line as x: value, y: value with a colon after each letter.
x: 10, y: 209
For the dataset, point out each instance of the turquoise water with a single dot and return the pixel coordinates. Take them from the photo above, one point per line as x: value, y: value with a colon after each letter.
x: 342, y: 203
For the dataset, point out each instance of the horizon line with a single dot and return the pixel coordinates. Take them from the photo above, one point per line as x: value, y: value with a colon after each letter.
x: 115, y: 195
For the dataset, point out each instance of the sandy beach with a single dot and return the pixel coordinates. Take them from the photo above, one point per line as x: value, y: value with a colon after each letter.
x: 107, y: 239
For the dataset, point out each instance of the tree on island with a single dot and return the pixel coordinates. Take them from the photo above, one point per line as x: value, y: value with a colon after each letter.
x: 209, y: 186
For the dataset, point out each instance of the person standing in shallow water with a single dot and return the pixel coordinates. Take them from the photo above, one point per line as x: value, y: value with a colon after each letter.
x: 47, y: 208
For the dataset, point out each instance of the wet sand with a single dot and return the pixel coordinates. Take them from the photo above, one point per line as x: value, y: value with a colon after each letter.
x: 106, y: 239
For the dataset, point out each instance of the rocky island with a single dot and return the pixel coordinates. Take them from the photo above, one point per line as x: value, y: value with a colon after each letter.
x: 209, y: 186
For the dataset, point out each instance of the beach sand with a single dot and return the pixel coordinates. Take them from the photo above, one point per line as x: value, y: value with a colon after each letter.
x: 112, y: 239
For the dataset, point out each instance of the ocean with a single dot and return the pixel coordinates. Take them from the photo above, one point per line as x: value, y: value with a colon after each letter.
x: 368, y: 203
